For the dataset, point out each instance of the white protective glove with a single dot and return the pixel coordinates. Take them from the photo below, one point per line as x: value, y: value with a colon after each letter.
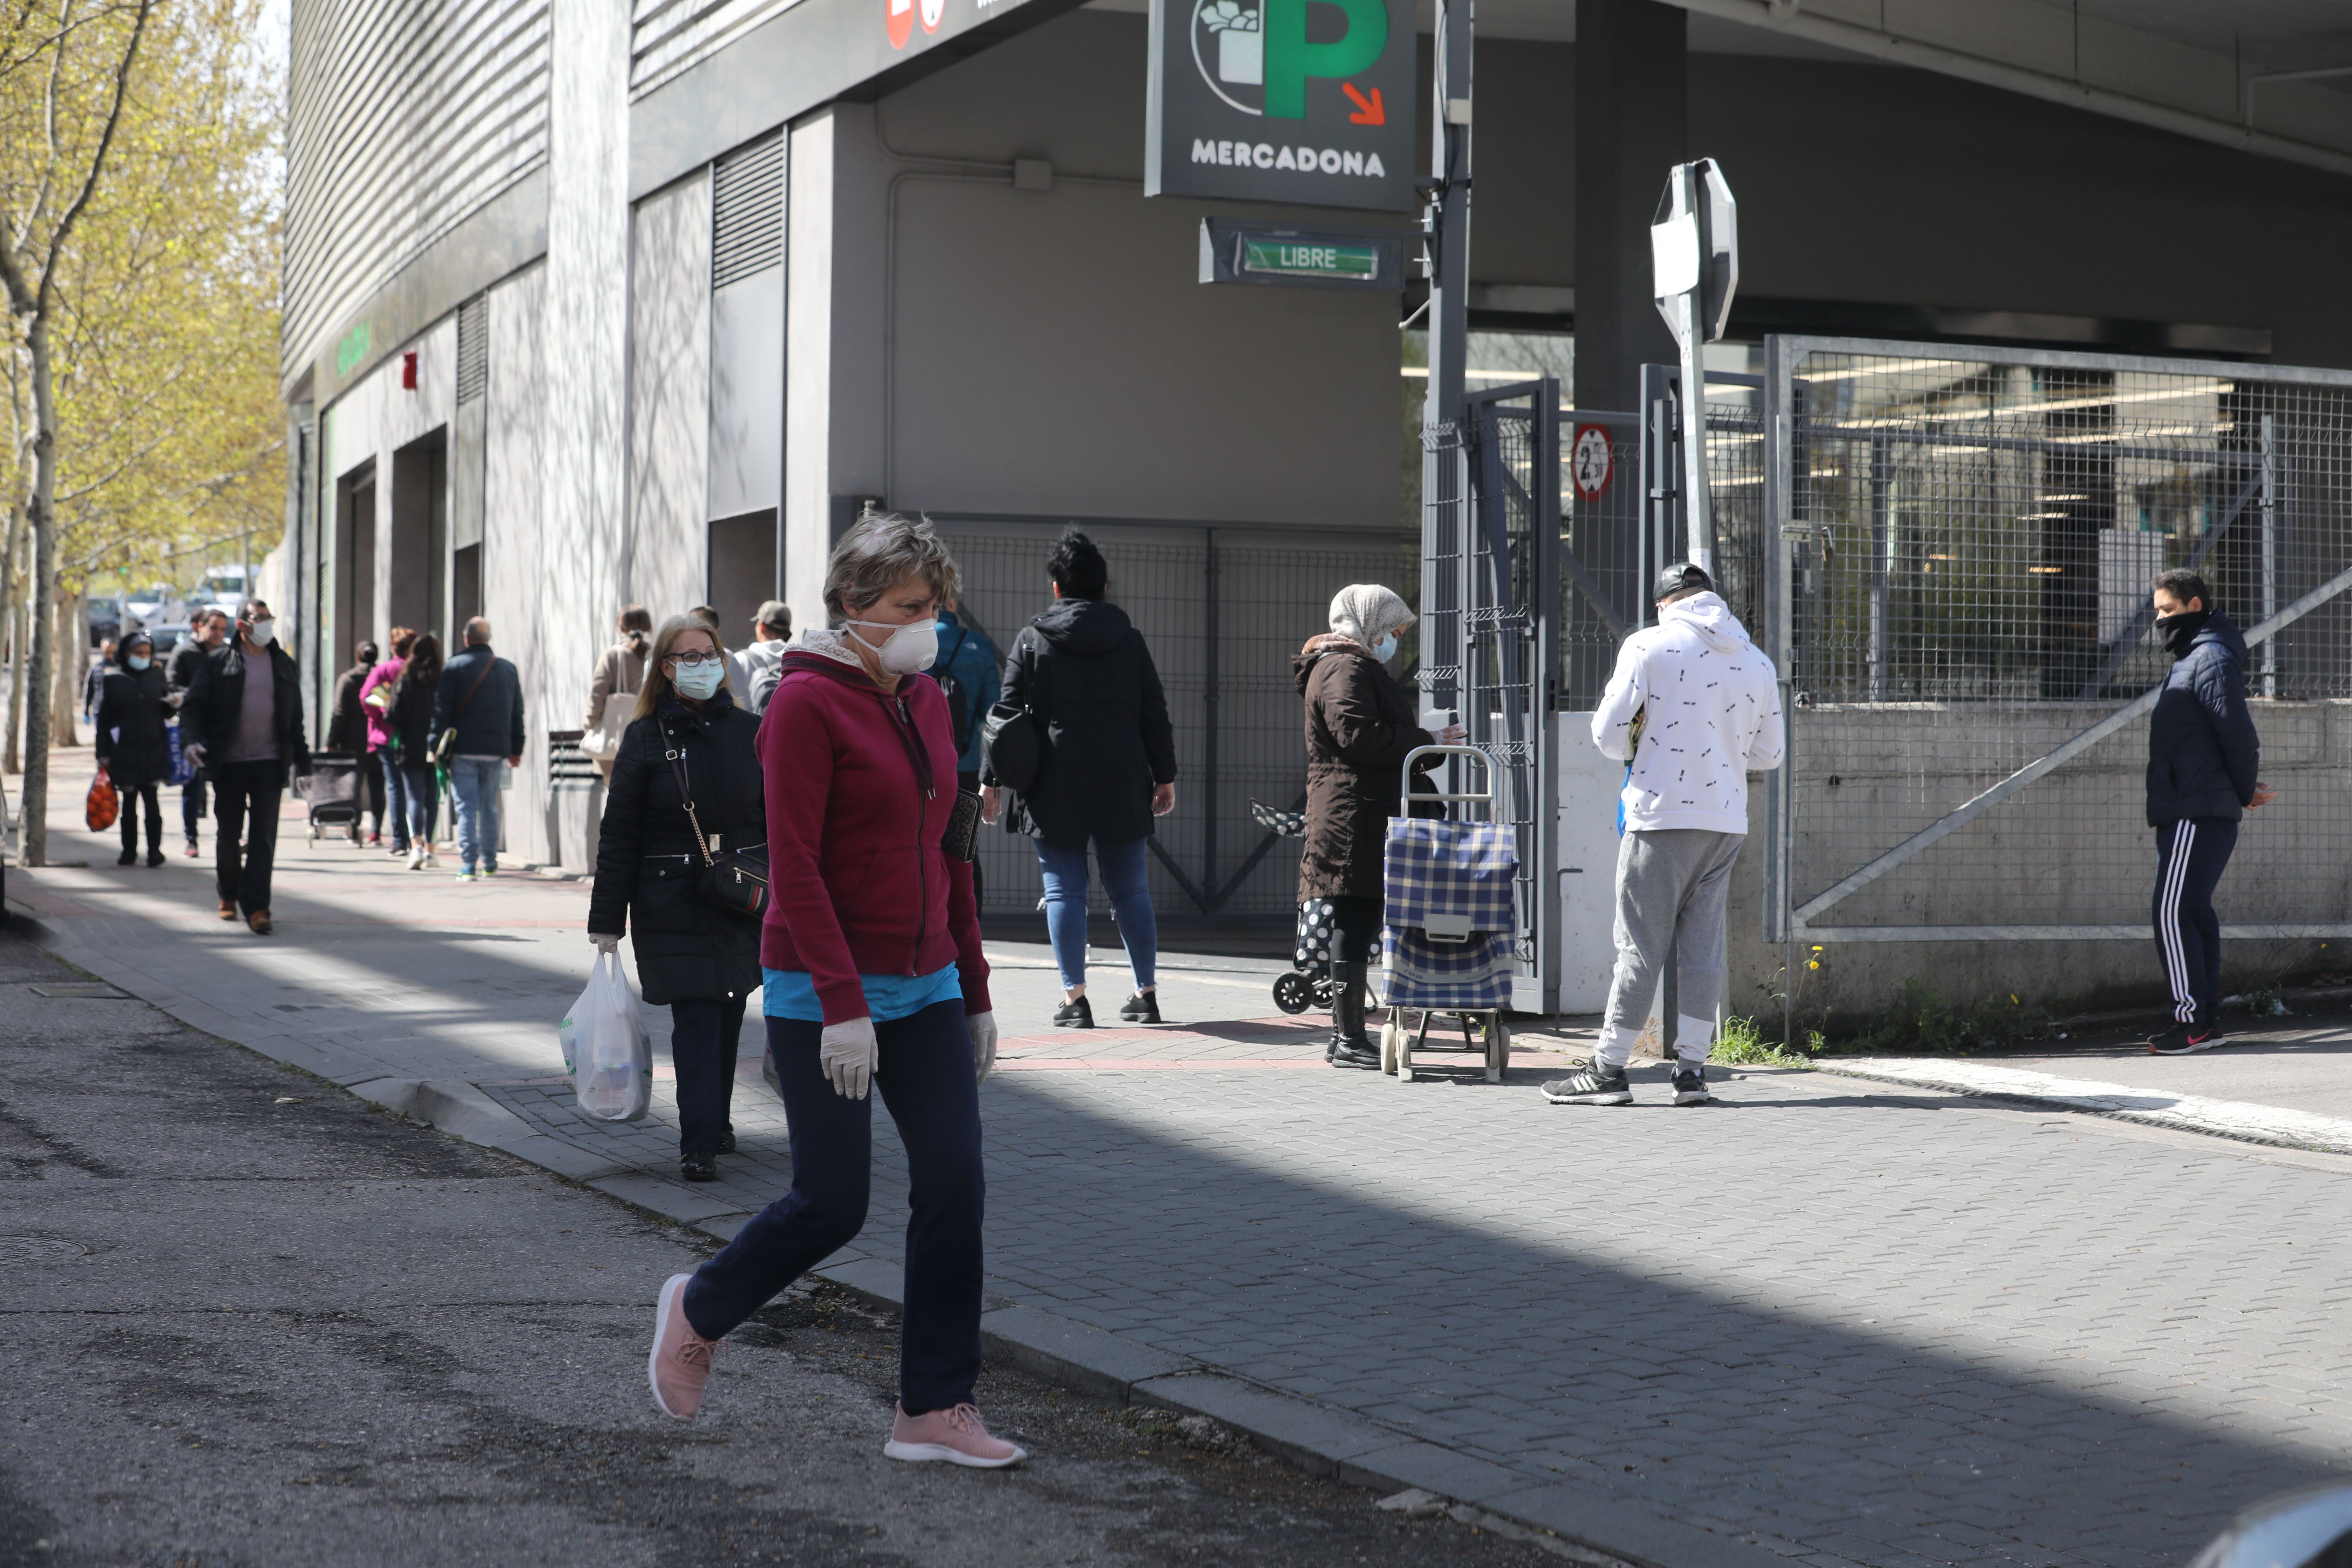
x: 983, y: 1028
x: 195, y: 752
x: 846, y: 1054
x: 605, y: 945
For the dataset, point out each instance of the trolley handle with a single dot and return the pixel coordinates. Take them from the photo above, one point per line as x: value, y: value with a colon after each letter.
x: 1455, y: 751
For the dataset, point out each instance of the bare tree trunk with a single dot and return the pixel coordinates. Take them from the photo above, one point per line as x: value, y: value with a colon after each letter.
x: 12, y: 753
x: 73, y: 661
x: 12, y: 756
x: 34, y: 813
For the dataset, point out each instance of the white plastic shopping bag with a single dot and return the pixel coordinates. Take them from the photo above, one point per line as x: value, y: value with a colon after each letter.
x: 605, y: 1048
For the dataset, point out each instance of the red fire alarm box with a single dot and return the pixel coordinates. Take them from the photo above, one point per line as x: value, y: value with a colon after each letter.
x: 408, y: 371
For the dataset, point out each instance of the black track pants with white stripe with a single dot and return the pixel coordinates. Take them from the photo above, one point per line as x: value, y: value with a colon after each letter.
x: 2191, y: 856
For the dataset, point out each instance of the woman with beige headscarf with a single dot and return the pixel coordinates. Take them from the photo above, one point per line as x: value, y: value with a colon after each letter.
x: 1360, y: 726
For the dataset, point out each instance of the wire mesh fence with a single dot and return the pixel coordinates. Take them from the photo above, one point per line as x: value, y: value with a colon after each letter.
x: 1969, y: 541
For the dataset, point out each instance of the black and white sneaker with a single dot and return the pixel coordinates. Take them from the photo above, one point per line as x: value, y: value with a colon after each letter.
x: 1690, y: 1087
x: 1075, y: 1015
x: 2186, y: 1040
x: 1143, y: 1007
x: 1596, y: 1085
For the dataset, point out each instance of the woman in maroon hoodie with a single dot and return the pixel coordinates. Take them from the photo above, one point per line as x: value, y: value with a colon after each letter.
x: 874, y: 974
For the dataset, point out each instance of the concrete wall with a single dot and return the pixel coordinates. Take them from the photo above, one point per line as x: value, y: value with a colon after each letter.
x: 512, y: 492
x: 2072, y: 848
x: 370, y: 422
x: 669, y: 398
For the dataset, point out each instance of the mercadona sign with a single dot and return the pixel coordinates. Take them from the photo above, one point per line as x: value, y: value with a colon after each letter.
x: 1302, y: 101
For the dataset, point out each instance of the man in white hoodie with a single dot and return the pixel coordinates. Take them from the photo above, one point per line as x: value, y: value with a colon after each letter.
x: 1693, y: 706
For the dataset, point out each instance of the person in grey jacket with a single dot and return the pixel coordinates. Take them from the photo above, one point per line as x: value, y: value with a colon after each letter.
x: 480, y: 698
x: 2202, y: 757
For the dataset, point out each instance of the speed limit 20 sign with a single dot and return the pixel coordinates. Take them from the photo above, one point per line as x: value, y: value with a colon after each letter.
x: 1590, y: 460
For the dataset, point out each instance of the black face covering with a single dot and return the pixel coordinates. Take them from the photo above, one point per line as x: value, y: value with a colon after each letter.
x: 2179, y: 631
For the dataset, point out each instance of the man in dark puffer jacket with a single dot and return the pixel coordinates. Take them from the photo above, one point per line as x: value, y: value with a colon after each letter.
x: 2202, y: 754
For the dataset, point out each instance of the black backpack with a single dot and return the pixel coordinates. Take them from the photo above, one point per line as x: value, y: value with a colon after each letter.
x: 959, y: 699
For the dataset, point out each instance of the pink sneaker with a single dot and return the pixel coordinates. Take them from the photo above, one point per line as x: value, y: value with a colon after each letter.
x: 681, y: 1362
x: 955, y: 1435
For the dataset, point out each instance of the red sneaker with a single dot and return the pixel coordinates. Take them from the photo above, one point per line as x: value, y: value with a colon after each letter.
x: 955, y: 1435
x: 681, y: 1362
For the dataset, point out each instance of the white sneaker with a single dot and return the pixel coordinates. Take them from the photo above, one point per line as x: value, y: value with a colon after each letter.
x: 417, y: 858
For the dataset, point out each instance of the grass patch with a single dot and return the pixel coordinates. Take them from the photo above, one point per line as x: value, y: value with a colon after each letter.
x: 1743, y: 1044
x: 1921, y: 1023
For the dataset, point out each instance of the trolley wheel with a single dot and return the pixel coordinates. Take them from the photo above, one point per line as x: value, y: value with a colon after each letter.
x: 1499, y: 1049
x: 1294, y: 993
x: 1407, y: 1037
x: 1389, y: 1043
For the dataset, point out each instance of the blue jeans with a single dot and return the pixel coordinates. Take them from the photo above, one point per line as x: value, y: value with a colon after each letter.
x: 926, y: 1081
x: 395, y: 795
x: 475, y: 781
x: 424, y: 806
x: 1065, y: 866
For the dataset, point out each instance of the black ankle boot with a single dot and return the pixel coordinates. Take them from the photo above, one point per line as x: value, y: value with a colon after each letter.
x: 1351, y: 1046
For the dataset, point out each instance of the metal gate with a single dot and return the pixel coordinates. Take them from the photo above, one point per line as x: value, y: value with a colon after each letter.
x: 1957, y: 603
x: 1223, y: 610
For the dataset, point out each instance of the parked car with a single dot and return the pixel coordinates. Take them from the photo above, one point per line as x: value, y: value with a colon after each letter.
x: 167, y: 638
x: 2309, y: 1528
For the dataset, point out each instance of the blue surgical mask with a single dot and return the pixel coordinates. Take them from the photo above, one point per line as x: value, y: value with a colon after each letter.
x: 1385, y: 649
x: 139, y: 661
x: 700, y: 682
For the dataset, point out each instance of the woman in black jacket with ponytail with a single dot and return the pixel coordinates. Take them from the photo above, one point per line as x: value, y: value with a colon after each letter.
x: 699, y: 960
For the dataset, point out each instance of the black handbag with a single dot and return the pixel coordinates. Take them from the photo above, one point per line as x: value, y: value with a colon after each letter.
x: 735, y: 880
x: 1016, y: 751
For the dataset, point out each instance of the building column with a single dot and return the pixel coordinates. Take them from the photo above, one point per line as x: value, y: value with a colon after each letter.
x: 1631, y: 126
x: 837, y: 413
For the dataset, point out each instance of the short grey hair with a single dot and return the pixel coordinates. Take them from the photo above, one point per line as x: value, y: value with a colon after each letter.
x: 882, y: 549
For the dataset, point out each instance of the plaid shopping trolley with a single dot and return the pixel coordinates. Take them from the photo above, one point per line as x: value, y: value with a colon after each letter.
x: 1447, y: 921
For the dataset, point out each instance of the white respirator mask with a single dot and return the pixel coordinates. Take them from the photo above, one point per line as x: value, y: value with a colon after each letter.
x: 907, y: 648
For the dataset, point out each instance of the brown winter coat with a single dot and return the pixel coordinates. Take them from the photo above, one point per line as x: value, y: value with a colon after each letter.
x: 1358, y: 728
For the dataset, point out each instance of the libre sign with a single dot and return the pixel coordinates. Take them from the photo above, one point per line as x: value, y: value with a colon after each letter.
x: 1235, y: 252
x: 1305, y: 102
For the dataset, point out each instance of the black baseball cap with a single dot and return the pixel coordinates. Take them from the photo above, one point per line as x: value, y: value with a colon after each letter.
x: 1683, y: 577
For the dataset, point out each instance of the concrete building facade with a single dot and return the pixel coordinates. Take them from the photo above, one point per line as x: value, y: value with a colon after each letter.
x: 592, y: 305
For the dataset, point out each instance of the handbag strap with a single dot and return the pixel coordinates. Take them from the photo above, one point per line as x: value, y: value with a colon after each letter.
x: 676, y: 755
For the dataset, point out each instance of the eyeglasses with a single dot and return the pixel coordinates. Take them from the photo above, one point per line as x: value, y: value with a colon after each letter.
x: 690, y: 660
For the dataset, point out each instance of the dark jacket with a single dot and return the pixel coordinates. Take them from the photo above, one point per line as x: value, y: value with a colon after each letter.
x: 1359, y: 725
x: 2202, y: 752
x: 969, y: 659
x: 180, y: 672
x: 409, y: 717
x: 216, y: 696
x: 490, y: 722
x: 130, y: 718
x: 648, y: 866
x: 861, y: 782
x: 93, y: 685
x: 347, y: 730
x: 1082, y: 669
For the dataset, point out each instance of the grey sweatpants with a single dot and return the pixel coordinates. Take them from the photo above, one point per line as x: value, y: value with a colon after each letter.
x: 1672, y: 886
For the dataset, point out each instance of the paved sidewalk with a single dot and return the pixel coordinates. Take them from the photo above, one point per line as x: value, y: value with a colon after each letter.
x: 1845, y: 1322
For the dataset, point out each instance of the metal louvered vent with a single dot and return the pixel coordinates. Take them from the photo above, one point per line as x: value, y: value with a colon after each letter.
x: 747, y: 223
x: 473, y: 348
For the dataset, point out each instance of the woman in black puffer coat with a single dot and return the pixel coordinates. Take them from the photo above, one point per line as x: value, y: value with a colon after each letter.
x: 131, y: 745
x: 698, y: 960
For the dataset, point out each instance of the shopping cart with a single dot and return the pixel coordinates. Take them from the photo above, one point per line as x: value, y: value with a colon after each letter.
x: 332, y: 792
x: 1309, y: 982
x: 1447, y: 924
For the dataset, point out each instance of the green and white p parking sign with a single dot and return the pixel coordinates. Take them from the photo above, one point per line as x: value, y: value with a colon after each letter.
x: 1301, y: 101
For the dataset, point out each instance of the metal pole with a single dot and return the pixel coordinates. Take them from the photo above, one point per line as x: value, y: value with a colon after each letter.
x: 1698, y: 514
x: 1445, y: 227
x: 2270, y: 550
x: 1881, y: 536
x: 1208, y: 705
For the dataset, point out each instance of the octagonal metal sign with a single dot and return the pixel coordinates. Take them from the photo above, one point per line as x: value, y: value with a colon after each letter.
x: 1307, y: 102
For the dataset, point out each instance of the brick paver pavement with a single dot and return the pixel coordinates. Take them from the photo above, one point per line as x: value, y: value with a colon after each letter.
x: 1858, y: 1323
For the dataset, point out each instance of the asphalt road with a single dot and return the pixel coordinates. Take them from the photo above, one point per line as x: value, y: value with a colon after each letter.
x: 251, y: 1321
